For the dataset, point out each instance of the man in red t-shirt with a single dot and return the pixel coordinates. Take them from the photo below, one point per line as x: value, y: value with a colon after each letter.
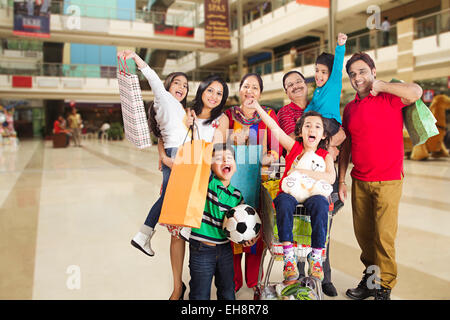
x: 373, y: 123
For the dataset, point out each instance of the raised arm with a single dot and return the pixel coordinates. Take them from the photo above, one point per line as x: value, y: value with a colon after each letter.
x: 286, y: 141
x: 153, y: 79
x: 339, y: 53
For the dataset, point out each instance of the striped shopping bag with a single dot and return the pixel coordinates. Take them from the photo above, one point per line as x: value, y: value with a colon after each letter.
x: 133, y: 112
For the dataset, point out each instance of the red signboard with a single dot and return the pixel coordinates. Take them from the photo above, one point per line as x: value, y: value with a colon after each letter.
x: 174, y: 30
x: 22, y: 82
x: 317, y: 3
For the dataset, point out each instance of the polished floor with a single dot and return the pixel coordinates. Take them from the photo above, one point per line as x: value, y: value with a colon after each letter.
x: 67, y: 217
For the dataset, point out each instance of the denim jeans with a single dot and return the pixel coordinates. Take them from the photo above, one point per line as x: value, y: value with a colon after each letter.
x: 206, y: 262
x: 155, y: 211
x: 317, y: 206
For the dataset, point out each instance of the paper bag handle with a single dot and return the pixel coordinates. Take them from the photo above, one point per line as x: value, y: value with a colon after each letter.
x: 191, y: 129
x: 121, y: 64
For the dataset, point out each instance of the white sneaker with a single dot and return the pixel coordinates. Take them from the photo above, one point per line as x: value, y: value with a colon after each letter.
x: 141, y: 241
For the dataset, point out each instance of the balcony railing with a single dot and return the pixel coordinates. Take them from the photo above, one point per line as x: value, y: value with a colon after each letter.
x: 96, y: 71
x: 267, y: 67
x: 185, y: 19
x: 432, y: 24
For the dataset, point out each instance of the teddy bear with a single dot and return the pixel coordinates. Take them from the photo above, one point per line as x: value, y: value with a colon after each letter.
x: 301, y: 186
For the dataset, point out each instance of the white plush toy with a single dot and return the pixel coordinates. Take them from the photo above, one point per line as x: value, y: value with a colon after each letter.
x: 301, y: 186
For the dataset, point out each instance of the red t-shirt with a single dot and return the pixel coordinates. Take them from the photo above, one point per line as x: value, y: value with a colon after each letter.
x: 375, y: 126
x: 295, y: 151
x: 288, y: 116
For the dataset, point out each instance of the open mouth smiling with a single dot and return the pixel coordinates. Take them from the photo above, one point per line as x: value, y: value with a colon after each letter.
x: 226, y: 169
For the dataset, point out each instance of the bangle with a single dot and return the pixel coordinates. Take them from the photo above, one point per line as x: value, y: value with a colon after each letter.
x: 343, y: 182
x: 275, y: 154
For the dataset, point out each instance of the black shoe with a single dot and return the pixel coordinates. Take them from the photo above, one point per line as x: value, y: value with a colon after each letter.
x: 383, y: 294
x: 182, y: 292
x: 329, y: 289
x: 361, y: 292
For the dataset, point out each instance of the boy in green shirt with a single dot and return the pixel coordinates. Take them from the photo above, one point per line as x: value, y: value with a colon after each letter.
x: 210, y: 253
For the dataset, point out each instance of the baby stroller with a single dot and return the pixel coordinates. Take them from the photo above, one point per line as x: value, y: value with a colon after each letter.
x: 307, y: 288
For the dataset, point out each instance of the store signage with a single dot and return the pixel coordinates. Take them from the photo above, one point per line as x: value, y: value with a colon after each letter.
x: 428, y: 95
x: 22, y: 82
x: 317, y: 3
x: 217, y: 24
x: 32, y: 18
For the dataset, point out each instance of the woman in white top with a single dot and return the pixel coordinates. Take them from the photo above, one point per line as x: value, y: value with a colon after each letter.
x: 172, y: 122
x: 208, y: 106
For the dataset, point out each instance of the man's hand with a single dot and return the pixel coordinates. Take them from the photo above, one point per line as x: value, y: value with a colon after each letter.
x: 377, y: 87
x: 342, y: 191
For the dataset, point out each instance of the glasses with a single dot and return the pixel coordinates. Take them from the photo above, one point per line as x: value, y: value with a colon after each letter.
x: 289, y: 85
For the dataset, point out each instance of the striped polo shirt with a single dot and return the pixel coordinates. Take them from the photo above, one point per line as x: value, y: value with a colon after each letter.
x: 288, y: 116
x: 218, y: 201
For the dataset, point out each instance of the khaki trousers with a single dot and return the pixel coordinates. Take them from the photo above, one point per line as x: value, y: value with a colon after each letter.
x: 375, y: 221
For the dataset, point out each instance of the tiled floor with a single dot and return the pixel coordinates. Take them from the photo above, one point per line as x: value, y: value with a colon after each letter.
x: 67, y: 217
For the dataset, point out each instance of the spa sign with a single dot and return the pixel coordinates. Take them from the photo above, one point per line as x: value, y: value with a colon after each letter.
x: 217, y: 24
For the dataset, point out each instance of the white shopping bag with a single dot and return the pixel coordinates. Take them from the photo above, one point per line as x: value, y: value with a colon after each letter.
x: 133, y: 112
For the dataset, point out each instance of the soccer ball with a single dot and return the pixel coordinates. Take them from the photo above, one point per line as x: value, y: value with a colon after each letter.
x: 241, y: 223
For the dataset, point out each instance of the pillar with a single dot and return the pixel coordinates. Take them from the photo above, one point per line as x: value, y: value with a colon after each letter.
x: 405, y: 55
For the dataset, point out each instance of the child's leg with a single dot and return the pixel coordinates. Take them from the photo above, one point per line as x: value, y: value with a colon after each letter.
x: 202, y: 266
x: 318, y: 207
x: 285, y: 206
x: 224, y: 275
x: 142, y: 239
x: 155, y: 211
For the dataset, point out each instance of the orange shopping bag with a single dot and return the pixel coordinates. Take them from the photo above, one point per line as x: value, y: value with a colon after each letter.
x: 184, y: 201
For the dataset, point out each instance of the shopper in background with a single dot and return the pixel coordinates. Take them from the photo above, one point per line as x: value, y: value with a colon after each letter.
x: 75, y: 125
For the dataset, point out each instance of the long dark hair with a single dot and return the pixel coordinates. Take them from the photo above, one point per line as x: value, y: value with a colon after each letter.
x: 299, y: 125
x: 152, y: 123
x: 198, y: 102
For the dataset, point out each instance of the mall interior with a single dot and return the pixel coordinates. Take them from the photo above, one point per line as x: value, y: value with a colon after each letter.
x: 67, y: 212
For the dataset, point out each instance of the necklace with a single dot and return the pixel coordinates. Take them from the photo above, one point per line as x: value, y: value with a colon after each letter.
x: 239, y: 116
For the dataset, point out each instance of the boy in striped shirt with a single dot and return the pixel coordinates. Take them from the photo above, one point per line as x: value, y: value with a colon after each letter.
x: 210, y: 253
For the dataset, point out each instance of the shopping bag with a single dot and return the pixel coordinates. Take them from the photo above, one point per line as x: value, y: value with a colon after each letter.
x: 185, y: 196
x: 133, y: 112
x: 247, y: 177
x: 419, y: 121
